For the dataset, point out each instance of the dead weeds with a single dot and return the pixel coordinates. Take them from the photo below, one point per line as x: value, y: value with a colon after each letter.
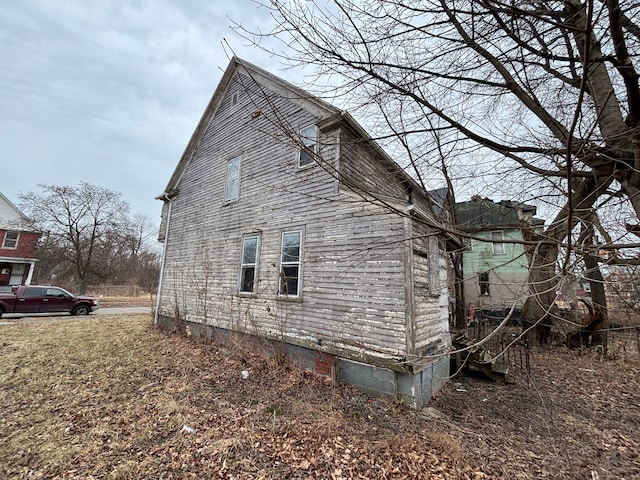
x: 117, y: 399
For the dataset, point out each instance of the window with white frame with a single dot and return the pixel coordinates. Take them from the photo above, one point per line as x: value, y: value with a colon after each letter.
x: 249, y: 264
x: 496, y: 237
x: 11, y: 240
x: 309, y: 148
x: 232, y: 187
x: 290, y: 264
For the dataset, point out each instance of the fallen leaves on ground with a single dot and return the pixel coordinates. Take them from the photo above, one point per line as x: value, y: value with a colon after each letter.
x: 114, y: 398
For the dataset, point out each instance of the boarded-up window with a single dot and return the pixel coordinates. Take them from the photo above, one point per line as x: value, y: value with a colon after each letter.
x: 434, y: 266
x: 426, y: 266
x: 290, y: 264
x: 249, y: 264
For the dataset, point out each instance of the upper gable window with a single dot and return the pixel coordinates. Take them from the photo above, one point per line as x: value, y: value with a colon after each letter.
x: 235, y: 98
x: 11, y: 240
x: 497, y: 236
x: 232, y: 187
x: 309, y: 148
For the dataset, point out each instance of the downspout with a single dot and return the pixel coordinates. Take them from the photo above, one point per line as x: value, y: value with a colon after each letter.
x: 165, y: 197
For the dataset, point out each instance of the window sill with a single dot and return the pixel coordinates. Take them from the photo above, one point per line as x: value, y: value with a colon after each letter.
x: 288, y: 298
x: 308, y: 165
x: 247, y: 294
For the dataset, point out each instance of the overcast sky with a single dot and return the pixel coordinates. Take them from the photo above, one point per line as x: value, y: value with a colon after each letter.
x: 109, y: 92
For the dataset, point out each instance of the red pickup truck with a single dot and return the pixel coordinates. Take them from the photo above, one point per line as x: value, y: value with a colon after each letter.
x: 45, y: 299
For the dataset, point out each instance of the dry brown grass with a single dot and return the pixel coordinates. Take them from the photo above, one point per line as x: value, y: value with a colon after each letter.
x: 113, y: 398
x: 110, y: 398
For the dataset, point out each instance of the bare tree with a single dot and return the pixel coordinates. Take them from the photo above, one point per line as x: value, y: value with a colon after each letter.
x: 75, y: 220
x: 543, y: 94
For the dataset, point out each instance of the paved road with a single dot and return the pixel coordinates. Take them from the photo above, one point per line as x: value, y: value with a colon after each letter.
x: 12, y: 318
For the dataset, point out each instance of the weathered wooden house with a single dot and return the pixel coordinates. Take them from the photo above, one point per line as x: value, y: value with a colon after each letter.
x: 285, y: 220
x: 18, y: 240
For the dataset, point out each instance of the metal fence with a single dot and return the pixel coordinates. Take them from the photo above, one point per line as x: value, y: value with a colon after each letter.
x: 499, y: 354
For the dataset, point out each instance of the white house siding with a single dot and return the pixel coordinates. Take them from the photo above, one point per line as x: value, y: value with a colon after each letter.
x: 353, y: 285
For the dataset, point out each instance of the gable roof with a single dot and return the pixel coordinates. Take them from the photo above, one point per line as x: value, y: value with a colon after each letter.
x: 485, y: 214
x: 261, y: 77
x: 328, y: 115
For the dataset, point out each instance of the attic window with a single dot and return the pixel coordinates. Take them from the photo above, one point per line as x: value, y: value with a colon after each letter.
x: 235, y: 98
x: 232, y: 187
x: 11, y: 240
x: 309, y: 149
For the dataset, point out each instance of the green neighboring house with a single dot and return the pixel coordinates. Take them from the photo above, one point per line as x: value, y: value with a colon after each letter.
x: 495, y: 271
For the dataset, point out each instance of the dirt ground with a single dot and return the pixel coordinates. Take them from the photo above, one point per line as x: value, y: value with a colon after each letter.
x: 115, y: 399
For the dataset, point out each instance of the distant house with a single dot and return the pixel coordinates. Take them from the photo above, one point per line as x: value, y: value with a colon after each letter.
x: 18, y: 247
x: 495, y: 270
x: 286, y: 221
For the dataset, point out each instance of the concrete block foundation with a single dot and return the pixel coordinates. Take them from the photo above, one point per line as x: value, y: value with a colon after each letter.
x: 414, y: 389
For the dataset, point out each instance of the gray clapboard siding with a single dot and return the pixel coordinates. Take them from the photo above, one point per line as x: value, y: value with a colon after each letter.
x: 430, y: 297
x: 354, y: 251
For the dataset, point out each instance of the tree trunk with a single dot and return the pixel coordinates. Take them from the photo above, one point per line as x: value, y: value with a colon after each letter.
x: 544, y: 278
x: 543, y: 285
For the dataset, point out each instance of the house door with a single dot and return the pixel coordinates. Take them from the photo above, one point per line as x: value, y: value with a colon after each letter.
x: 17, y: 274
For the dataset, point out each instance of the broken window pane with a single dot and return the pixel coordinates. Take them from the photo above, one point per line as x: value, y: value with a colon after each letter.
x: 483, y: 283
x: 289, y: 280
